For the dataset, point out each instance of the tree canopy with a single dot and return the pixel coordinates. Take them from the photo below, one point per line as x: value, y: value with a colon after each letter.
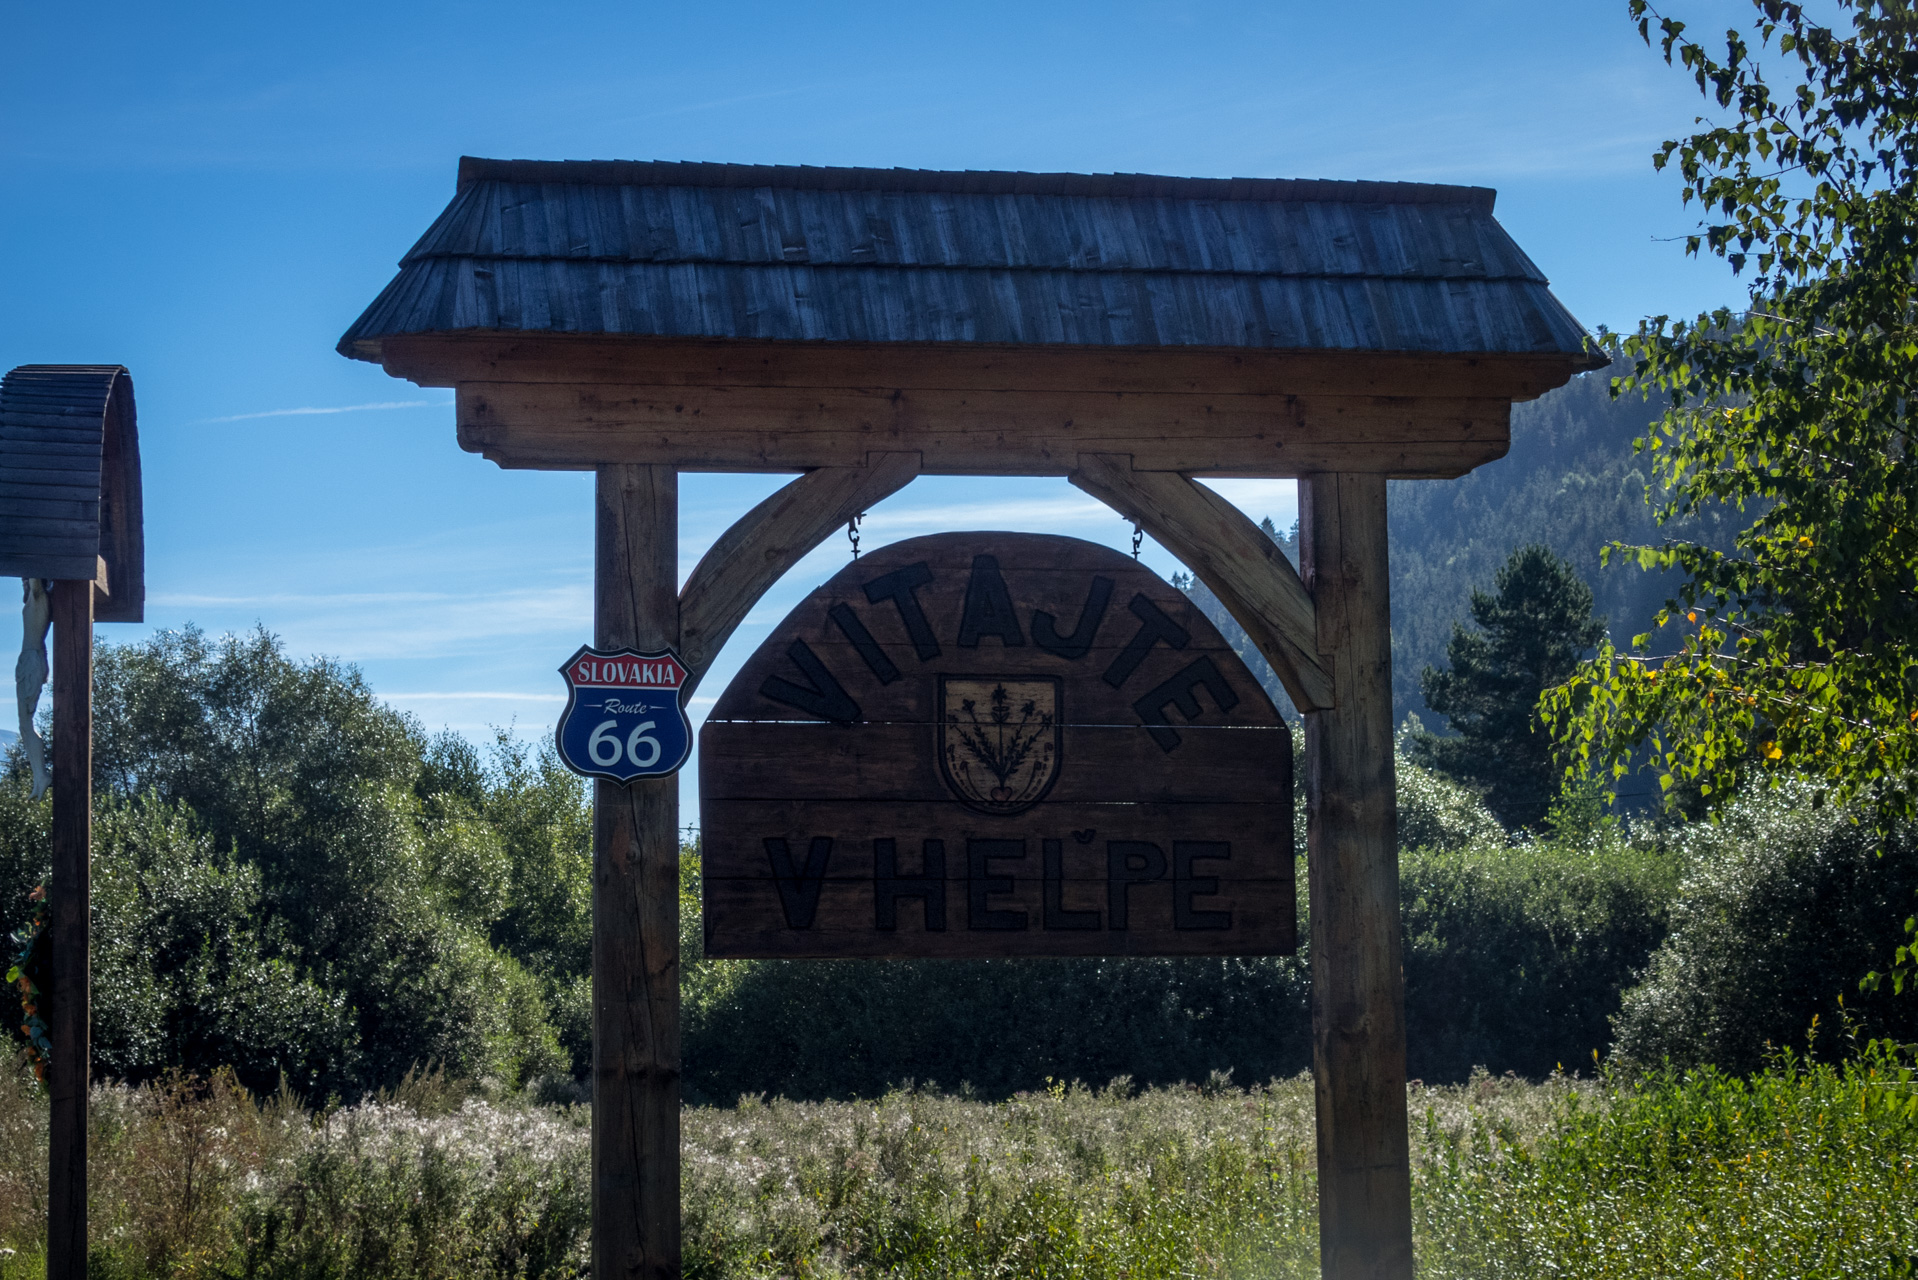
x: 1529, y: 637
x: 1796, y: 651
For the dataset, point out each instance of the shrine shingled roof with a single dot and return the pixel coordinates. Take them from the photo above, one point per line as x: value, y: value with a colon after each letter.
x: 771, y: 253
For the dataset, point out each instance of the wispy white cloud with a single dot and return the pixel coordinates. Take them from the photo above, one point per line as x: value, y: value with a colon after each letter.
x: 306, y: 410
x: 362, y: 626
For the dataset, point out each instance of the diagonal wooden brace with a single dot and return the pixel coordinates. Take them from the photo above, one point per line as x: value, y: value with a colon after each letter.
x: 1243, y: 567
x: 770, y: 539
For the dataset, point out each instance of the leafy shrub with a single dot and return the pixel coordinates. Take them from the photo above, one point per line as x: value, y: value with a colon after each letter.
x: 854, y: 1028
x: 1515, y: 955
x: 1434, y: 811
x: 190, y: 972
x: 291, y: 878
x: 1783, y: 908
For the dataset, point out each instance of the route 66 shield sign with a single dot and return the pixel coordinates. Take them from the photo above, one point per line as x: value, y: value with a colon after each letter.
x: 623, y: 719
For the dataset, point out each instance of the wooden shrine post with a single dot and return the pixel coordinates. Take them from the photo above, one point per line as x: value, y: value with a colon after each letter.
x: 70, y: 473
x: 69, y: 995
x: 636, y: 905
x: 1358, y: 991
x: 1133, y: 333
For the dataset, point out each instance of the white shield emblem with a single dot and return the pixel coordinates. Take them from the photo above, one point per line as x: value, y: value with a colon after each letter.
x: 1000, y: 741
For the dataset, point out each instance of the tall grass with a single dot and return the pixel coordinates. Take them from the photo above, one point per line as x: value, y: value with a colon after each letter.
x: 1807, y: 1169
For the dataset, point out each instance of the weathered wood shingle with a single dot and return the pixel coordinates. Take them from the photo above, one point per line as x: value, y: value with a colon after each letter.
x: 867, y: 255
x: 70, y: 481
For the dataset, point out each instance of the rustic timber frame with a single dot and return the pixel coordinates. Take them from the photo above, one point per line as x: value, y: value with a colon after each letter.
x: 861, y: 327
x: 70, y: 480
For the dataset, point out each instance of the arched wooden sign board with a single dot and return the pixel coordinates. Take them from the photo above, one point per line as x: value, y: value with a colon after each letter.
x: 996, y: 744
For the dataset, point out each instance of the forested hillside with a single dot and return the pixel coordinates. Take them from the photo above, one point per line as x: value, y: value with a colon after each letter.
x: 1571, y: 483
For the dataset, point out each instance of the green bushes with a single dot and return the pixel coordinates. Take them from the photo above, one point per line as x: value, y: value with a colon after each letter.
x: 1515, y: 955
x: 292, y: 880
x: 854, y: 1028
x: 1782, y: 909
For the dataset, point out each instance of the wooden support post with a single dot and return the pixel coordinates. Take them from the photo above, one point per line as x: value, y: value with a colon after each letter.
x: 69, y: 993
x: 636, y: 907
x: 1358, y: 989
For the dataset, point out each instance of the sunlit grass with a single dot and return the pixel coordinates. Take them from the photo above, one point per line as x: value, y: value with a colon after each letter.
x: 1803, y: 1171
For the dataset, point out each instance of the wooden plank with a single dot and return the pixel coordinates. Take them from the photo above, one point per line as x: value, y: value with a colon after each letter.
x: 33, y: 564
x: 899, y: 762
x: 975, y: 432
x: 1059, y: 880
x: 446, y: 360
x: 1358, y: 993
x: 636, y: 907
x: 69, y: 927
x: 23, y: 520
x: 78, y: 493
x: 1244, y: 568
x: 758, y: 549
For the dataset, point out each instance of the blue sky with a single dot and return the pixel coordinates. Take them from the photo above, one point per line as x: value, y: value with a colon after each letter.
x: 209, y: 194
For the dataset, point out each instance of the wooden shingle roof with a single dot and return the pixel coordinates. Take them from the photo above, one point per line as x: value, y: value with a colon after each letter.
x: 779, y: 253
x: 70, y: 492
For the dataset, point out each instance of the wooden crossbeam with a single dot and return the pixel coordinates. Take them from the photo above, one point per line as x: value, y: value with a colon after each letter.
x: 770, y: 539
x: 1243, y: 567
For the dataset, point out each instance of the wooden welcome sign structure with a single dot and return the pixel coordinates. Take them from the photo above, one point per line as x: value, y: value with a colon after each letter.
x: 71, y: 525
x: 861, y: 327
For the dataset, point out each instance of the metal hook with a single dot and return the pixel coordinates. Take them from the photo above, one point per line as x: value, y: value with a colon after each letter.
x: 852, y: 532
x: 1138, y: 536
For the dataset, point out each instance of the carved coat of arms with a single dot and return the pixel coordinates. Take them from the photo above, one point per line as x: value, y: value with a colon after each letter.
x: 1000, y: 741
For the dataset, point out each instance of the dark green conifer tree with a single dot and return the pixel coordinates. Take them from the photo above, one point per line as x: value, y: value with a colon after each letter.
x: 1529, y: 637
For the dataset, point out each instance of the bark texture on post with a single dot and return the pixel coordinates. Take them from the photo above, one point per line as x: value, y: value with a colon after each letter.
x: 1358, y: 989
x: 636, y: 907
x: 69, y: 994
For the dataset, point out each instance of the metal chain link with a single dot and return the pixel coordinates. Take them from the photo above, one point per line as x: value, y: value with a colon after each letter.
x: 852, y: 532
x: 1138, y: 536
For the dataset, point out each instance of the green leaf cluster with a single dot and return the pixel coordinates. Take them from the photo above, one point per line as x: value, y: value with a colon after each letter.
x: 1796, y: 650
x: 292, y: 878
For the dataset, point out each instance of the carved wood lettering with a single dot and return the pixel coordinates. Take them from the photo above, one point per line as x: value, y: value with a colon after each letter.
x: 996, y: 744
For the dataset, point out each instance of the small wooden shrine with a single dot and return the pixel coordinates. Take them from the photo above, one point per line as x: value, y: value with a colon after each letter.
x: 71, y: 526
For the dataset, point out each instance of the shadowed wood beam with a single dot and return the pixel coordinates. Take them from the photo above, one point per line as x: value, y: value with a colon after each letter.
x: 69, y: 928
x: 1245, y: 569
x: 636, y: 907
x: 770, y: 539
x: 1358, y: 990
